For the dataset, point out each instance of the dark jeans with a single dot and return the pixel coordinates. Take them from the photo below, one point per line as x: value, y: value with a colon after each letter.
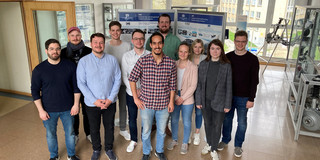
x: 133, y: 113
x: 94, y: 115
x: 212, y: 123
x: 238, y: 103
x: 76, y: 124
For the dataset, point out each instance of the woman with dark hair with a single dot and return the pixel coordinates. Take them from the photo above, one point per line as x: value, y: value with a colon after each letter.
x: 214, y: 93
x: 184, y: 100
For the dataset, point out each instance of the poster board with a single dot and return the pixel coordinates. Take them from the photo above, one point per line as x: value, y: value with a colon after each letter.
x: 206, y: 26
x: 146, y: 20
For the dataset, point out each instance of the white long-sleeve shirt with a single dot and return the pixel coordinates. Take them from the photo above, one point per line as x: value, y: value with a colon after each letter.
x: 129, y: 59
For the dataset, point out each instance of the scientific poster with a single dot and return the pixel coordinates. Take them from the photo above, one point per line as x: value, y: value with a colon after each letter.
x: 206, y: 26
x: 146, y: 20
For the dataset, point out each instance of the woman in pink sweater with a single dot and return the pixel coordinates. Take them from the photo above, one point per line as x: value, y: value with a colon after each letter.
x: 184, y: 100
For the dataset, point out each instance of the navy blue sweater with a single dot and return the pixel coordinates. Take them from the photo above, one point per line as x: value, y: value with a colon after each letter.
x: 55, y: 85
x: 245, y: 74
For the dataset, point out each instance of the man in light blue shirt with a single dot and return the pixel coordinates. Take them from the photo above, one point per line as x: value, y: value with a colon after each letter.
x: 99, y: 79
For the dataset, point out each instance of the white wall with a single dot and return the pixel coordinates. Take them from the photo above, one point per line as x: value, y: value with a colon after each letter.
x: 14, y: 72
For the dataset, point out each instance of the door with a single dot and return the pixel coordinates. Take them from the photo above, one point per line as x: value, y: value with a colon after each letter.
x: 44, y: 20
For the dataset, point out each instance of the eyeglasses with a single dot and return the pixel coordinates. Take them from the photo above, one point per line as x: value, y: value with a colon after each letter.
x: 138, y: 39
x: 54, y: 49
x: 240, y: 41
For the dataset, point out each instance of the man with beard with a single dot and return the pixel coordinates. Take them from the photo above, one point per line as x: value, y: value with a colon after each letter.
x: 158, y: 76
x: 171, y: 42
x: 74, y: 51
x: 99, y: 79
x: 56, y: 95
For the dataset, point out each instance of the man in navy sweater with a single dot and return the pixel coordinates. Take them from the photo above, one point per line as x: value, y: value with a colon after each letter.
x: 56, y: 95
x: 245, y: 78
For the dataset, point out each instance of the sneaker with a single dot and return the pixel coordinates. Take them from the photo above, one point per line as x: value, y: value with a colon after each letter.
x: 95, y: 155
x: 189, y: 142
x: 125, y: 135
x: 110, y: 154
x: 145, y: 157
x: 196, y: 140
x: 161, y: 156
x: 131, y: 146
x: 76, y: 139
x: 117, y: 122
x: 55, y: 158
x: 238, y: 152
x: 172, y: 144
x: 89, y: 138
x: 214, y: 155
x: 74, y: 157
x: 184, y: 148
x: 206, y: 149
x: 221, y: 146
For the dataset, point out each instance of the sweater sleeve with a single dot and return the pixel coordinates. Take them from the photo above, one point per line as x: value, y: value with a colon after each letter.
x: 254, y: 78
x: 36, y: 84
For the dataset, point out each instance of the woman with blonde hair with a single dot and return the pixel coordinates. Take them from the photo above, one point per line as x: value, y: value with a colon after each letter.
x: 197, y: 50
x: 187, y: 75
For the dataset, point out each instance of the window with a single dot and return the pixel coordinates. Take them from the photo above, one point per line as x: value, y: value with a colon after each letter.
x: 248, y: 2
x: 233, y: 11
x: 252, y: 14
x: 159, y: 4
x: 258, y: 15
x: 259, y: 2
x: 85, y: 21
x: 253, y: 2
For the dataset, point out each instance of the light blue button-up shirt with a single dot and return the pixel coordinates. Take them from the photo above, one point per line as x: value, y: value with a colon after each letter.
x: 98, y: 78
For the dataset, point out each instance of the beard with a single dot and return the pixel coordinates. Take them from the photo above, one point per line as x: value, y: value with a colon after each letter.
x: 164, y: 30
x: 52, y: 57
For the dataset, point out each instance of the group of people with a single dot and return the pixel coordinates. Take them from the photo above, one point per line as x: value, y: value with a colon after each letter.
x: 159, y: 81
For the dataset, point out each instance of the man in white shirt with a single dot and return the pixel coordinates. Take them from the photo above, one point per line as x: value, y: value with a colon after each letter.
x: 129, y: 59
x: 117, y: 48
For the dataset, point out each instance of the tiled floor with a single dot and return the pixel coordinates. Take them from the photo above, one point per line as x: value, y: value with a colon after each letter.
x: 269, y: 135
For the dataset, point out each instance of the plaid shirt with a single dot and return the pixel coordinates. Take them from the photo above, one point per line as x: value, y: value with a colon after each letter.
x: 157, y: 80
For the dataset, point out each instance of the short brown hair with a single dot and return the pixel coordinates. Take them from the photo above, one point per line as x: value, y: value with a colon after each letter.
x: 114, y: 23
x: 241, y: 33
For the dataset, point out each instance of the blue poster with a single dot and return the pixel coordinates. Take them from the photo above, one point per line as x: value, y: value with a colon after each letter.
x: 146, y: 20
x: 206, y: 26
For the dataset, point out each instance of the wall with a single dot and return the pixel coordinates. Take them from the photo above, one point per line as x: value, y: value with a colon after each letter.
x: 14, y: 72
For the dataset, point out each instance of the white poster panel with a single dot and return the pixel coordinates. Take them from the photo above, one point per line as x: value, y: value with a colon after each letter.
x: 206, y: 26
x: 146, y: 20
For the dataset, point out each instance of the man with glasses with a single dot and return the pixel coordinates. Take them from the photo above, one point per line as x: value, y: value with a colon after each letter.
x: 56, y: 95
x: 129, y: 59
x: 245, y: 78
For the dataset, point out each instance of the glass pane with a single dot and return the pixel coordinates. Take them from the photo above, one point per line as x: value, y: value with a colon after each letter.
x: 85, y: 21
x: 181, y: 2
x: 256, y: 10
x: 229, y: 43
x: 230, y: 7
x: 107, y: 11
x: 159, y: 4
x: 50, y: 24
x: 256, y: 37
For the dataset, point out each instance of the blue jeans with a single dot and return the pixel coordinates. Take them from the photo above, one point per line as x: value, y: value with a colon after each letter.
x: 147, y: 116
x: 51, y: 129
x: 238, y: 103
x: 186, y: 118
x: 133, y: 113
x: 198, y: 117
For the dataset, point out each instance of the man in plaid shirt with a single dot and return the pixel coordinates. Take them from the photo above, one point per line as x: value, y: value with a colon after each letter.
x: 158, y: 75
